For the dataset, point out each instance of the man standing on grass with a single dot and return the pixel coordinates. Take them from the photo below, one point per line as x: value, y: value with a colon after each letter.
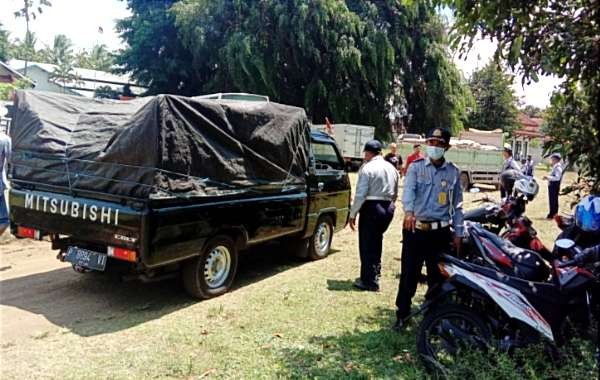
x: 376, y: 192
x: 393, y: 157
x: 432, y: 202
x: 554, y: 184
x: 4, y: 156
x: 415, y: 155
x: 509, y: 173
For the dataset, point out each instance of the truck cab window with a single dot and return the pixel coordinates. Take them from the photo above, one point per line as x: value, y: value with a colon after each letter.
x: 326, y: 157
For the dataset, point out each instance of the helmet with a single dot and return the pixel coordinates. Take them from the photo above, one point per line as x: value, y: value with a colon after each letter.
x: 587, y: 214
x: 528, y: 187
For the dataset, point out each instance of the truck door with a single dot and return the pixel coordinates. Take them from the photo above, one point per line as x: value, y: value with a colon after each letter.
x: 329, y: 186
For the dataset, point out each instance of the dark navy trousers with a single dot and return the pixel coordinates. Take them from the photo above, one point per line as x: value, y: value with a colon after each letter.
x: 419, y: 247
x: 553, y: 190
x: 374, y: 219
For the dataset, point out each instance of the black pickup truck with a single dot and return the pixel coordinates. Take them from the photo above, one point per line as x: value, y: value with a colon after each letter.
x: 107, y: 207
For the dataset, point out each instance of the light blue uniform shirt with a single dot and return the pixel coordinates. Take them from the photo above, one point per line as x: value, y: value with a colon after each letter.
x: 434, y: 194
x: 4, y: 155
x: 377, y: 181
x: 556, y: 174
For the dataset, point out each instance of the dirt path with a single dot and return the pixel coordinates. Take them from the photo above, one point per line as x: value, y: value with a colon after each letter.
x: 40, y: 295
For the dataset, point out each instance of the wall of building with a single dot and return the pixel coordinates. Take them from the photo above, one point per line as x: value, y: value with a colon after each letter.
x: 42, y: 81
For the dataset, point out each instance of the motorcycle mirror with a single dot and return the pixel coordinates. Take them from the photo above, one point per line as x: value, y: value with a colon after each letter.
x: 474, y: 190
x: 564, y: 243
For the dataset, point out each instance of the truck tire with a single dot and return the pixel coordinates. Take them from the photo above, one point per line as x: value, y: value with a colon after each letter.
x: 465, y: 183
x: 211, y: 274
x: 320, y: 241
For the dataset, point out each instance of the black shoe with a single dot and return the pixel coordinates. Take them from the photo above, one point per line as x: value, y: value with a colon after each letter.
x: 399, y: 325
x: 359, y: 284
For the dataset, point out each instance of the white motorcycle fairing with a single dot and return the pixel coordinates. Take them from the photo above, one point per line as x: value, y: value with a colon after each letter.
x: 511, y: 300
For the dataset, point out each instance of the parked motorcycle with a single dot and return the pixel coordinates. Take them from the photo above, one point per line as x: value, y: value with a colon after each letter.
x: 507, y: 219
x: 480, y: 307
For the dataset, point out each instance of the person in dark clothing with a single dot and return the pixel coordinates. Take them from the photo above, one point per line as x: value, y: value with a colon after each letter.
x: 376, y: 193
x: 509, y: 173
x: 432, y: 202
x: 393, y: 157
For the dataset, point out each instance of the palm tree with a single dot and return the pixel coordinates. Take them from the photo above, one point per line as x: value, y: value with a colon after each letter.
x: 31, y: 9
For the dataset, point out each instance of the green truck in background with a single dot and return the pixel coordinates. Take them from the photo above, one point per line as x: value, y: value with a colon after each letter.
x: 478, y: 163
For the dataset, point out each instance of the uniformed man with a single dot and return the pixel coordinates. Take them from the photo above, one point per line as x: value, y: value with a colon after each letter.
x: 554, y: 180
x: 432, y: 202
x: 509, y: 173
x: 376, y: 192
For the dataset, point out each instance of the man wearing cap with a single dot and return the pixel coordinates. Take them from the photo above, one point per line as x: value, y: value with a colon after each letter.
x: 432, y: 202
x: 510, y: 172
x: 554, y: 184
x: 376, y: 192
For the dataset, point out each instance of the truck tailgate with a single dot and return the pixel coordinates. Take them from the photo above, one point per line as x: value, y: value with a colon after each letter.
x: 87, y: 220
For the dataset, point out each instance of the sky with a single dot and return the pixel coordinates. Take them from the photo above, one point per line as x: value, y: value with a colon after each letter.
x: 80, y: 20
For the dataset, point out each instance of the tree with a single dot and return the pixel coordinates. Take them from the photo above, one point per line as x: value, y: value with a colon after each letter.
x: 106, y: 92
x: 4, y: 45
x: 548, y: 37
x: 99, y: 58
x: 31, y: 10
x: 155, y: 55
x: 532, y: 111
x: 495, y: 102
x: 60, y: 52
x: 343, y: 59
x: 25, y: 50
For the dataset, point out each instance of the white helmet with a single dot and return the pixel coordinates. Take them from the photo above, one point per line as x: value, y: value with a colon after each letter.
x: 527, y: 186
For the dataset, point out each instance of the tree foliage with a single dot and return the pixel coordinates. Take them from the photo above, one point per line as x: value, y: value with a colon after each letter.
x: 26, y: 49
x: 495, y: 102
x: 31, y: 10
x: 155, y: 55
x: 532, y: 111
x: 4, y: 44
x: 98, y: 58
x: 106, y: 92
x: 347, y: 60
x: 549, y: 37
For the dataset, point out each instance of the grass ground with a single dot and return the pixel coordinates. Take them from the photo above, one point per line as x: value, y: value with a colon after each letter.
x: 285, y: 319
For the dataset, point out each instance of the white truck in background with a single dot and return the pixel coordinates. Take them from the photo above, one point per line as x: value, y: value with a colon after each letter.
x: 350, y: 139
x: 478, y: 163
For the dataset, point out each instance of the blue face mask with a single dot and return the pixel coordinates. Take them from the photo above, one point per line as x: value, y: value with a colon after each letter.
x: 435, y: 152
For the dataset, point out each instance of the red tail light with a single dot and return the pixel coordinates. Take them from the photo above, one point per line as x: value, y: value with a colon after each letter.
x: 29, y: 233
x: 122, y: 254
x: 536, y: 245
x: 443, y: 270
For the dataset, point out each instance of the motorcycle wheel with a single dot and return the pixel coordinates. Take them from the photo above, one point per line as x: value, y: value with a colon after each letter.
x: 445, y: 331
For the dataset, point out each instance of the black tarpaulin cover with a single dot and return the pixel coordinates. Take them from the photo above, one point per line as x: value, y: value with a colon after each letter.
x: 158, y: 146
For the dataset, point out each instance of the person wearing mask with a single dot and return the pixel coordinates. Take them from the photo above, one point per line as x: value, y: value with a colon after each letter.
x: 509, y: 173
x: 376, y: 192
x: 393, y: 157
x: 554, y: 180
x: 5, y: 150
x: 432, y: 201
x: 415, y: 155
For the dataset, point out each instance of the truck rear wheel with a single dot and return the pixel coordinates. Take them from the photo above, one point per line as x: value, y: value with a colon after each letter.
x: 320, y: 241
x: 211, y: 274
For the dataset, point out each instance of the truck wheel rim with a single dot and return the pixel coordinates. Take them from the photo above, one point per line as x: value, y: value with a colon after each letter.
x: 217, y: 266
x: 322, y: 239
